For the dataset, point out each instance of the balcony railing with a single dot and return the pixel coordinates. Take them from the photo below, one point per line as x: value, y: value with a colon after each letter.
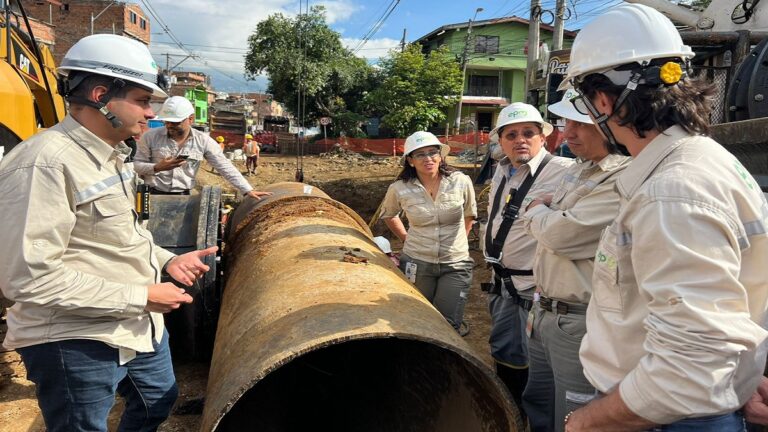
x: 492, y: 91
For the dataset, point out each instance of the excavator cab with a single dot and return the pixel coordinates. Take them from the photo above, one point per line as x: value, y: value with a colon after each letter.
x: 29, y: 99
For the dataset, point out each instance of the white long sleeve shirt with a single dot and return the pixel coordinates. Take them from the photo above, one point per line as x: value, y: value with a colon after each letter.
x: 155, y: 145
x: 74, y: 257
x: 677, y: 317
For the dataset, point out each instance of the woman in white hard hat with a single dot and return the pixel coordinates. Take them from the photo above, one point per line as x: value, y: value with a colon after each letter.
x: 439, y: 203
x: 676, y: 325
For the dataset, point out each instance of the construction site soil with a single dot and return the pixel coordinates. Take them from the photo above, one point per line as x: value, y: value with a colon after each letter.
x: 359, y: 182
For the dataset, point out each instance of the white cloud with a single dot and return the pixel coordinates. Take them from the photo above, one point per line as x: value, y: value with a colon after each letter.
x: 203, y: 25
x: 374, y: 48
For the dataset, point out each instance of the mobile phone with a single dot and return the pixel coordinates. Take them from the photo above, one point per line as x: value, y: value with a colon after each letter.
x: 182, y: 156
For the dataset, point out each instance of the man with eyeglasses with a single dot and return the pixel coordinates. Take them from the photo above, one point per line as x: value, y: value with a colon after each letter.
x: 677, y: 318
x: 526, y: 172
x: 567, y: 227
x: 168, y: 158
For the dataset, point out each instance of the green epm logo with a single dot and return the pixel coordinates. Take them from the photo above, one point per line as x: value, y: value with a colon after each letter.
x: 418, y: 140
x: 517, y: 113
x: 606, y: 260
x: 746, y: 177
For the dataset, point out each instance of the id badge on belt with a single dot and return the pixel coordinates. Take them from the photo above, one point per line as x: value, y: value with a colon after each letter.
x: 410, y: 271
x: 529, y: 323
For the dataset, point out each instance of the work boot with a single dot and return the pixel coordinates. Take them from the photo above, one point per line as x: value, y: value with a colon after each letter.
x: 515, y: 380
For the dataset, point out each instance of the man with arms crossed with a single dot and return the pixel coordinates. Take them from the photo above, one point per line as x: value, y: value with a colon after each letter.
x: 567, y: 227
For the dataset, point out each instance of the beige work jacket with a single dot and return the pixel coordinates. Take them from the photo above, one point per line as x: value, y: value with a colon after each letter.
x: 74, y: 258
x: 680, y: 290
x: 569, y: 229
x: 519, y: 250
x: 436, y: 230
x: 155, y: 146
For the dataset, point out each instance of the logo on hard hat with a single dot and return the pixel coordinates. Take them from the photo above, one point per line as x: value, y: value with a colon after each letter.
x: 420, y: 139
x: 120, y: 70
x: 517, y: 113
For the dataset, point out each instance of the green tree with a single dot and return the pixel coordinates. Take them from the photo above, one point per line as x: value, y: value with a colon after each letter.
x: 416, y: 89
x: 304, y: 48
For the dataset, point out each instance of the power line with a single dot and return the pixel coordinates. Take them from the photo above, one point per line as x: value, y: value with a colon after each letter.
x: 377, y: 26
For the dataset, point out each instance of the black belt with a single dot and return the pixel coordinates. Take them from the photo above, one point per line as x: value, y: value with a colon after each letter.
x: 156, y: 191
x: 562, y: 308
x: 495, y: 287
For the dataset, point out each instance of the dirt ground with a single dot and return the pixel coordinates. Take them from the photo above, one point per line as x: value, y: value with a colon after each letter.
x: 359, y: 182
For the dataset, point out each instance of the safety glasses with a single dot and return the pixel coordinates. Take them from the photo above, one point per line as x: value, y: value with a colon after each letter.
x: 527, y: 134
x: 580, y: 104
x: 432, y: 154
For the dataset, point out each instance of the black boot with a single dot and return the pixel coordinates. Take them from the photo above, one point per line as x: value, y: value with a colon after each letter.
x: 515, y: 380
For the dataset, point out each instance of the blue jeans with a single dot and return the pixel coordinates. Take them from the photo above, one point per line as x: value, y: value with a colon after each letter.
x: 76, y: 382
x: 733, y: 422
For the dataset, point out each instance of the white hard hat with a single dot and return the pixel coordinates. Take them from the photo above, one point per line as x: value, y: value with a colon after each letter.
x: 421, y: 139
x: 175, y: 109
x: 113, y: 56
x: 519, y: 112
x: 566, y: 110
x: 629, y: 33
x: 383, y: 244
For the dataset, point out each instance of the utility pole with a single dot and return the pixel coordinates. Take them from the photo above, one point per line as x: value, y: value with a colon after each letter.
x: 463, y: 68
x: 557, y: 38
x: 533, y: 44
x: 93, y: 18
x: 402, y: 42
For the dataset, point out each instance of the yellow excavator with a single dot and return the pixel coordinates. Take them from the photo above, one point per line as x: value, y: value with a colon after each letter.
x: 29, y: 98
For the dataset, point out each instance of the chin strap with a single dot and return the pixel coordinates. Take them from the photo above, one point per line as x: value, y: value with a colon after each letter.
x: 101, y: 104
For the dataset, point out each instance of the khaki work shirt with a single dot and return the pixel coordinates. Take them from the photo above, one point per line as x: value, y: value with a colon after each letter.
x: 436, y: 230
x: 519, y: 250
x: 74, y: 258
x: 155, y: 146
x: 569, y: 229
x: 680, y: 291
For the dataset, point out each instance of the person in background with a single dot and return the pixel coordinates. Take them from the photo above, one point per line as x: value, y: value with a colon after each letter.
x: 439, y: 202
x: 168, y: 158
x: 251, y: 149
x: 567, y: 228
x: 509, y: 249
x: 83, y: 273
x: 222, y: 143
x: 385, y: 247
x: 676, y: 325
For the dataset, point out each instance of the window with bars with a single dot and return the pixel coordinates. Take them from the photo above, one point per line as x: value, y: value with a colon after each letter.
x: 487, y: 44
x: 480, y: 85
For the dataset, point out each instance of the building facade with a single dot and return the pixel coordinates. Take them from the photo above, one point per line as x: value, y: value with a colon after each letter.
x: 75, y: 19
x: 496, y: 62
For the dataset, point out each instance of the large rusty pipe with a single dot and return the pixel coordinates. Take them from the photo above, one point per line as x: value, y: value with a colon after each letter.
x: 319, y: 331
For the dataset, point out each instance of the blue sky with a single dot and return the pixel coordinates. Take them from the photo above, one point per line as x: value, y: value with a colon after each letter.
x: 216, y: 32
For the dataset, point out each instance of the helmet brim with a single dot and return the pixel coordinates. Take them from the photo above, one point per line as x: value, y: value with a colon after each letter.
x: 566, y: 110
x: 546, y: 129
x: 154, y: 88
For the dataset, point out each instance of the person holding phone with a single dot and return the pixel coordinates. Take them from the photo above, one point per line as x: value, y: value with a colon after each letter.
x: 168, y: 158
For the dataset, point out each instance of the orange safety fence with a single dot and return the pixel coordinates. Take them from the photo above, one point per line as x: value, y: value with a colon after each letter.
x: 394, y: 146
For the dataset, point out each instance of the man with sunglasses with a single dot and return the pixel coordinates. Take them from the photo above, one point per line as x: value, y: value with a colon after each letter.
x: 526, y: 172
x: 168, y: 158
x: 676, y: 323
x: 567, y: 227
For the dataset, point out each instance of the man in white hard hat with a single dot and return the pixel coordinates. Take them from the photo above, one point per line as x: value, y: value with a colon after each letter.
x: 522, y: 133
x: 84, y: 275
x: 567, y: 226
x: 168, y: 158
x: 676, y: 322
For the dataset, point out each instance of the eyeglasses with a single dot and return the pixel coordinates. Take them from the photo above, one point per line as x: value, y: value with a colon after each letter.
x: 432, y: 154
x: 580, y: 104
x: 527, y: 134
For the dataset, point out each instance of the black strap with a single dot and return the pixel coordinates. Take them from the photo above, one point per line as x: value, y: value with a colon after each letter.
x: 516, y: 196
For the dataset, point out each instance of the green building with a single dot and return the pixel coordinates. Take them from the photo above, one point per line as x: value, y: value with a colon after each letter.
x: 496, y: 66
